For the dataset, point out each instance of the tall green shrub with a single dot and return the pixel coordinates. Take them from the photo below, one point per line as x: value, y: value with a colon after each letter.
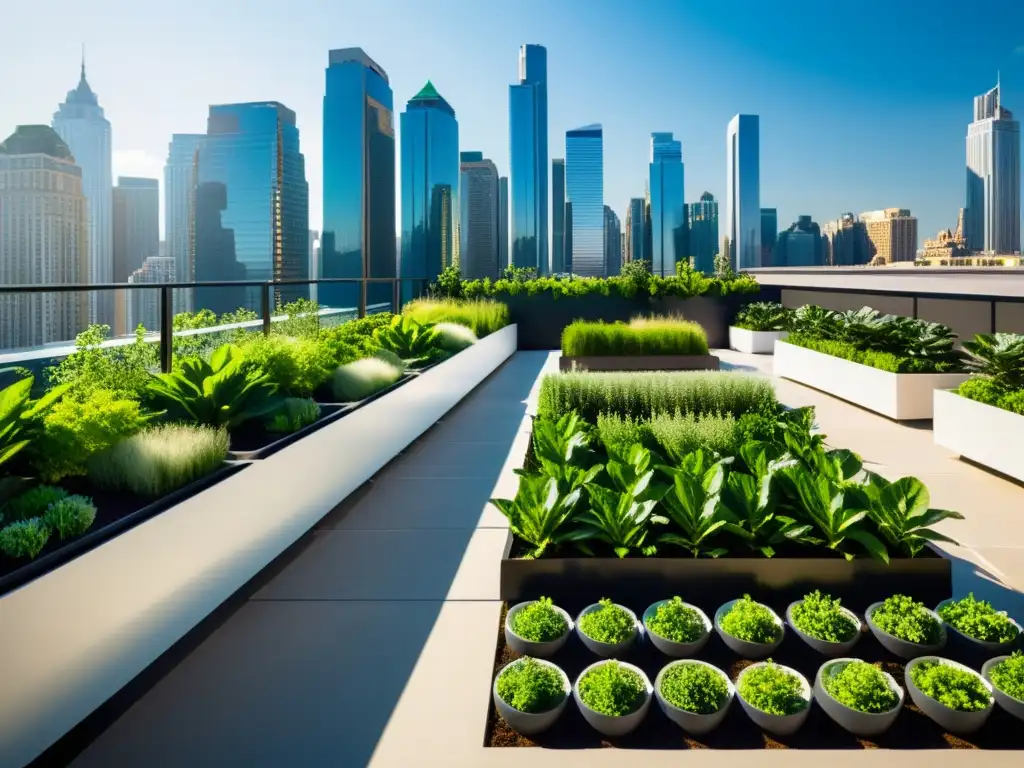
x: 656, y: 336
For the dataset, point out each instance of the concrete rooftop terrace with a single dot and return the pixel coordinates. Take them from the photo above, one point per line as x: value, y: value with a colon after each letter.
x: 371, y: 642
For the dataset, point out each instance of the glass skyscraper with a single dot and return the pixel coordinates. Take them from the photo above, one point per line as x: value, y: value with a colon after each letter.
x: 358, y: 238
x: 502, y: 224
x: 251, y: 205
x: 635, y: 229
x: 478, y: 216
x: 612, y: 243
x: 743, y: 191
x: 769, y: 234
x: 993, y: 177
x: 668, y: 208
x: 584, y: 192
x: 179, y: 203
x: 528, y: 158
x: 704, y: 233
x: 558, y: 215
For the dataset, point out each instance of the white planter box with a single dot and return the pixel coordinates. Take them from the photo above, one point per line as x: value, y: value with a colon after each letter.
x: 754, y: 342
x: 71, y: 639
x: 900, y: 396
x: 982, y: 433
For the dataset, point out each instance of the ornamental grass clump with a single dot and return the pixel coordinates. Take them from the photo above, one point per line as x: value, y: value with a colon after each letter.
x: 453, y: 337
x: 951, y: 686
x: 71, y: 516
x: 860, y: 686
x: 656, y: 336
x: 694, y: 688
x: 751, y: 622
x: 771, y: 689
x: 906, y: 619
x: 612, y: 689
x: 676, y: 621
x: 979, y: 620
x: 24, y: 539
x: 1008, y: 676
x: 361, y: 379
x: 483, y: 316
x: 822, y: 618
x: 539, y: 622
x: 530, y: 686
x: 608, y: 623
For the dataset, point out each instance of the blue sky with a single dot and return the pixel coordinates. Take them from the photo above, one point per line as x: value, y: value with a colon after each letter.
x: 862, y: 106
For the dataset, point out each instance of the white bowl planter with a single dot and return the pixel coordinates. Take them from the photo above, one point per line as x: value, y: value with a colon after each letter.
x: 1014, y: 706
x: 824, y: 647
x: 903, y: 648
x: 614, y: 725
x: 528, y: 723
x: 953, y: 720
x: 978, y: 646
x: 526, y: 647
x: 670, y: 647
x: 743, y: 647
x: 853, y: 720
x: 982, y: 433
x: 754, y: 342
x: 608, y: 650
x: 781, y: 725
x: 691, y: 722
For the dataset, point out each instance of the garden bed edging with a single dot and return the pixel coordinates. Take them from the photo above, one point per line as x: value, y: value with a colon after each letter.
x: 754, y: 342
x: 982, y: 433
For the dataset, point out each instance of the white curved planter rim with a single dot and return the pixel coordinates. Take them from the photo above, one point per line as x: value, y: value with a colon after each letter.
x: 529, y: 723
x: 694, y: 722
x: 783, y: 725
x: 540, y: 649
x: 672, y: 647
x: 953, y: 720
x: 825, y: 647
x: 853, y: 720
x: 608, y: 650
x: 1011, y: 704
x: 903, y: 648
x: 987, y: 646
x: 745, y: 647
x: 614, y: 725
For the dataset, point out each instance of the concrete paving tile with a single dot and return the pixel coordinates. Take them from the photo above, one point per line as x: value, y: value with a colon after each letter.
x: 455, y: 460
x: 1008, y: 563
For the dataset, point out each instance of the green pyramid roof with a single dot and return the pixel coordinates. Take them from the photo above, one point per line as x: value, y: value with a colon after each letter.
x: 429, y: 98
x: 427, y: 93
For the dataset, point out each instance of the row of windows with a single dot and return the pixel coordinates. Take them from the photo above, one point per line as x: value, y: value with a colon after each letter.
x: 47, y: 181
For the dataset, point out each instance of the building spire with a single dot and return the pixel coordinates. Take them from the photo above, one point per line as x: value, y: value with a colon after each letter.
x: 83, y: 61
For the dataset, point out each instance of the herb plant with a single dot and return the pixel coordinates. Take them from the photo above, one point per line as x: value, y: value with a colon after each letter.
x: 694, y: 688
x: 293, y: 414
x: 414, y: 342
x: 999, y: 357
x: 763, y: 316
x: 677, y: 622
x: 821, y: 617
x: 539, y: 622
x: 900, y: 510
x: 750, y: 621
x: 1008, y: 676
x: 906, y: 619
x: 665, y: 337
x: 608, y: 623
x: 531, y: 687
x: 298, y: 366
x: 612, y: 689
x: 71, y: 516
x: 978, y: 619
x: 539, y: 512
x: 771, y: 689
x: 24, y: 539
x: 32, y: 503
x: 951, y: 686
x: 693, y: 505
x: 860, y: 686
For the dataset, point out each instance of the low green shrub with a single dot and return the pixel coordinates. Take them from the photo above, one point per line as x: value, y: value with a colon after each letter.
x: 883, y: 361
x: 294, y: 414
x: 694, y: 688
x: 978, y: 619
x: 677, y: 622
x: 1008, y: 676
x: 860, y: 686
x: 672, y: 435
x: 24, y: 539
x: 821, y: 617
x: 751, y: 622
x: 160, y: 459
x: 609, y: 623
x: 951, y: 686
x: 654, y: 337
x: 32, y: 503
x: 452, y: 337
x: 71, y: 516
x: 361, y: 379
x: 988, y: 391
x: 539, y: 622
x: 353, y: 339
x: 905, y: 618
x: 612, y: 689
x: 297, y: 365
x: 770, y: 688
x: 123, y: 370
x: 483, y: 316
x: 763, y: 316
x: 530, y: 686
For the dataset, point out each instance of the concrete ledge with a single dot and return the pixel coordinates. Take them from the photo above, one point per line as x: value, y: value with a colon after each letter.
x: 984, y: 434
x: 640, y: 363
x: 754, y: 342
x: 73, y: 638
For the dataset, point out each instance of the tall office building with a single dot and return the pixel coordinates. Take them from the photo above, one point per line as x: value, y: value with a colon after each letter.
x: 143, y: 304
x: 743, y: 191
x: 44, y: 238
x: 558, y: 215
x: 502, y: 224
x: 80, y: 122
x: 584, y: 193
x: 668, y: 209
x: 179, y: 211
x: 478, y: 209
x: 845, y: 242
x: 993, y: 177
x: 136, y: 238
x: 314, y: 264
x: 358, y: 238
x: 800, y: 245
x: 769, y: 234
x: 612, y: 243
x: 634, y: 233
x: 528, y: 159
x: 891, y: 234
x: 251, y: 205
x: 703, y: 217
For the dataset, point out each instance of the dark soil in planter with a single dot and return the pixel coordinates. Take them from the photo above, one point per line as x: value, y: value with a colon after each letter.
x: 912, y: 729
x: 325, y: 397
x: 115, y: 514
x: 252, y: 441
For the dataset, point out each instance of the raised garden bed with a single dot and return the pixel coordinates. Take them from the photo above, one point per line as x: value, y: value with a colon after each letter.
x: 640, y: 363
x: 252, y: 441
x: 979, y: 432
x: 754, y: 342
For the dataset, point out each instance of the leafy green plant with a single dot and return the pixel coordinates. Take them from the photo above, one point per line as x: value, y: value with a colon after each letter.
x: 539, y: 622
x: 452, y: 337
x: 763, y: 316
x: 353, y: 339
x: 302, y: 319
x: 160, y: 459
x: 123, y: 370
x: 416, y: 343
x: 677, y: 622
x: 608, y: 623
x: 751, y: 622
x: 694, y: 688
x: 860, y: 686
x: 821, y: 617
x: 20, y: 420
x: 32, y: 503
x: 483, y: 316
x: 612, y: 689
x: 951, y: 686
x: 683, y: 433
x: 693, y: 505
x: 360, y: 379
x: 617, y: 519
x: 71, y: 516
x: 297, y: 366
x: 24, y: 539
x: 771, y: 689
x: 529, y: 686
x: 906, y: 619
x: 901, y: 511
x: 539, y: 512
x: 562, y: 449
x: 998, y: 357
x: 662, y: 337
x: 293, y: 414
x: 1008, y: 676
x: 978, y: 619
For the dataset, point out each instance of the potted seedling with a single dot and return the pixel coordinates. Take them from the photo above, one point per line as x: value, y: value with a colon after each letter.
x: 676, y: 628
x: 954, y: 696
x: 979, y: 626
x: 775, y: 697
x: 906, y: 627
x: 607, y: 629
x: 538, y: 628
x: 858, y: 696
x: 824, y: 624
x: 694, y: 695
x: 613, y: 696
x: 530, y: 694
x: 749, y: 628
x: 1006, y: 674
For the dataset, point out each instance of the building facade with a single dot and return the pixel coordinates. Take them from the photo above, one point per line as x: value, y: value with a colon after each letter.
x: 584, y: 194
x: 502, y: 224
x: 634, y: 232
x: 845, y: 242
x: 528, y: 160
x: 800, y: 245
x: 743, y: 191
x: 136, y: 237
x: 948, y: 245
x: 703, y: 216
x: 142, y: 306
x: 668, y: 209
x: 558, y: 215
x: 769, y: 234
x: 891, y: 235
x: 612, y: 243
x: 179, y: 211
x: 993, y: 177
x: 478, y: 208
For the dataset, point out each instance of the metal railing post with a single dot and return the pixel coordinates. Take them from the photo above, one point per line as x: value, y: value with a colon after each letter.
x: 166, y: 328
x: 362, y: 297
x: 265, y: 308
x: 395, y: 299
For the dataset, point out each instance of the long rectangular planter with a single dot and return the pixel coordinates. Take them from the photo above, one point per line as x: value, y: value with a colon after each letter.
x: 329, y: 412
x: 900, y: 396
x: 754, y: 342
x: 72, y: 638
x: 982, y: 433
x: 640, y: 363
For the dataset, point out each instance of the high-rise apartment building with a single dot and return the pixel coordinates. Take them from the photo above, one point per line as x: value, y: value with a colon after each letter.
x: 251, y: 205
x: 845, y: 242
x: 80, y: 122
x: 993, y: 177
x: 502, y: 223
x: 584, y: 194
x: 891, y: 235
x: 136, y: 237
x: 478, y: 208
x: 743, y: 191
x: 528, y: 159
x: 558, y: 215
x: 703, y: 216
x: 143, y: 304
x: 769, y: 234
x: 668, y: 208
x: 634, y: 232
x: 44, y: 238
x: 179, y: 211
x: 800, y: 245
x: 612, y: 243
x: 358, y: 238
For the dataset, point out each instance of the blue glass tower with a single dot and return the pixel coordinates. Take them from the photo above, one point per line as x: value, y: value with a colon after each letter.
x: 558, y: 215
x: 251, y: 205
x: 743, y: 191
x: 528, y: 159
x: 668, y: 210
x: 584, y: 193
x: 430, y: 189
x: 703, y: 218
x: 358, y: 238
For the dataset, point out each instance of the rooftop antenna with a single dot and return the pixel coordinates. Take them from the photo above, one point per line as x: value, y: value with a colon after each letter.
x: 83, y: 61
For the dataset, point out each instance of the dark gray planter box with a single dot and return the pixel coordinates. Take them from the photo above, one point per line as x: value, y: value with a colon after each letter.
x: 640, y: 363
